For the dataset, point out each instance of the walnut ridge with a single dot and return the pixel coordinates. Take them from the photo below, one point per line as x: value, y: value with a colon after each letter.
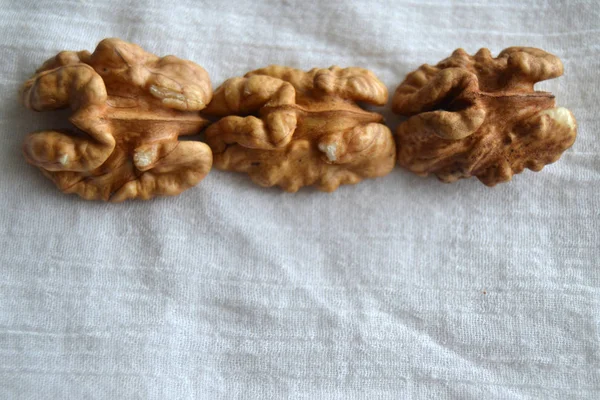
x: 480, y: 116
x: 292, y: 128
x: 129, y: 107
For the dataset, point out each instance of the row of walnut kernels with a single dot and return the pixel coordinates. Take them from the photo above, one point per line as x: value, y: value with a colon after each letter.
x: 468, y: 116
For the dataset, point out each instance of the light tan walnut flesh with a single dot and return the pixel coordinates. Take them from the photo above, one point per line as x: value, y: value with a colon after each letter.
x: 480, y: 116
x: 129, y: 107
x: 292, y: 128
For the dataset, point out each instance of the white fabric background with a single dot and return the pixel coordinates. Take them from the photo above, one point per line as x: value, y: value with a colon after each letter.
x: 400, y: 287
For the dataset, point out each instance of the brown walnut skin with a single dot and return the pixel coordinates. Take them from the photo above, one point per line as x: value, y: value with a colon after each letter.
x: 292, y: 128
x: 131, y: 106
x: 479, y: 116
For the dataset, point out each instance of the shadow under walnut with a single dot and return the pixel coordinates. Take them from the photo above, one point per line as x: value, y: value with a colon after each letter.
x: 292, y: 128
x: 129, y: 107
x: 480, y: 116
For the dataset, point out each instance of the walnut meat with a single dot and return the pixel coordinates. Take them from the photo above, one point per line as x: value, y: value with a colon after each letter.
x: 129, y: 107
x: 479, y: 116
x: 292, y: 128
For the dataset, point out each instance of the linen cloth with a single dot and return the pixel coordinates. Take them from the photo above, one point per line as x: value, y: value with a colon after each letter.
x: 400, y: 287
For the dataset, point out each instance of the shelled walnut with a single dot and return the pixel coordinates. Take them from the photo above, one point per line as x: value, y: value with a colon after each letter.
x: 479, y: 116
x: 292, y: 128
x: 129, y: 107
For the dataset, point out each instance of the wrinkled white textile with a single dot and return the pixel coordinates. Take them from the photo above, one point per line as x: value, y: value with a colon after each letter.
x: 400, y: 287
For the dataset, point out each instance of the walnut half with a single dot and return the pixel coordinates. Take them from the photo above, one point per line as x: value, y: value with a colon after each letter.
x: 129, y: 107
x: 292, y: 128
x: 479, y: 116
